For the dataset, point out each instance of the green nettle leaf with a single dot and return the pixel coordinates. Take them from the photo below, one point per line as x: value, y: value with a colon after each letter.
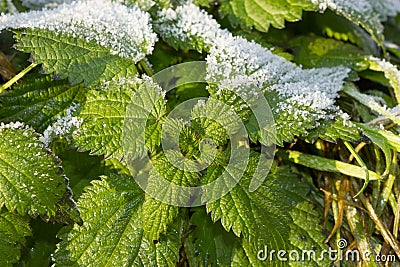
x: 331, y: 131
x: 306, y: 234
x: 158, y: 213
x: 296, y: 119
x: 104, y: 113
x: 156, y: 216
x: 176, y: 170
x: 144, y: 114
x: 262, y: 216
x: 232, y: 99
x: 262, y: 14
x: 13, y: 230
x: 112, y: 233
x: 84, y: 43
x: 216, y: 120
x: 39, y: 101
x: 74, y: 58
x: 30, y: 181
x: 313, y: 51
x: 209, y: 244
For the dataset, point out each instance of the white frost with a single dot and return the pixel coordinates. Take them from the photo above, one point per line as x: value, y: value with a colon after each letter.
x: 366, y: 10
x: 234, y: 63
x: 126, y: 31
x: 13, y: 125
x: 63, y: 126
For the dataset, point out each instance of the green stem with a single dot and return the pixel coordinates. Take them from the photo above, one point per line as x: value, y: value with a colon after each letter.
x: 14, y: 79
x: 144, y: 64
x: 396, y: 218
x: 387, y: 187
x: 362, y: 164
x: 376, y: 187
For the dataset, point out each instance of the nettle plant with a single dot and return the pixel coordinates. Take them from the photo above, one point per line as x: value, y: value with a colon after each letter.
x: 286, y: 136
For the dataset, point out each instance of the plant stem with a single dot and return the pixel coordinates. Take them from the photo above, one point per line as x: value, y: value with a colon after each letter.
x: 387, y: 187
x: 389, y: 238
x: 362, y: 164
x: 396, y: 219
x: 145, y: 65
x: 14, y: 79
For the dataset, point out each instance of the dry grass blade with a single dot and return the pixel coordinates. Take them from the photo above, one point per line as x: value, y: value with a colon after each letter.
x: 386, y: 234
x: 344, y: 188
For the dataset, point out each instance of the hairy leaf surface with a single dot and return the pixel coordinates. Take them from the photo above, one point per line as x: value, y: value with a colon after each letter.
x: 30, y: 180
x: 106, y: 116
x: 74, y: 58
x: 13, y: 230
x: 260, y: 216
x: 112, y: 233
x: 306, y: 233
x: 262, y: 14
x: 209, y: 244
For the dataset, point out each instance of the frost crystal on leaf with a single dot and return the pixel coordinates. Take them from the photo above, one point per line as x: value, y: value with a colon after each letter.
x: 383, y: 8
x: 62, y: 127
x: 126, y: 31
x: 388, y: 68
x: 367, y: 13
x: 188, y: 24
x: 12, y: 125
x: 391, y: 73
x: 247, y: 68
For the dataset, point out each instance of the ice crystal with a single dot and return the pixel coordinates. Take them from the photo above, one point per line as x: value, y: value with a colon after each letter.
x: 12, y: 125
x: 380, y: 8
x: 391, y: 72
x: 62, y: 127
x: 362, y: 6
x: 386, y: 8
x: 126, y: 31
x: 233, y: 63
x: 187, y: 24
